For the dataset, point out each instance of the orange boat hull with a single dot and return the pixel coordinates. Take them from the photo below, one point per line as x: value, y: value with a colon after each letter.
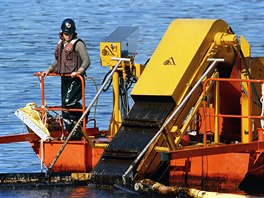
x: 77, y: 156
x: 221, y: 173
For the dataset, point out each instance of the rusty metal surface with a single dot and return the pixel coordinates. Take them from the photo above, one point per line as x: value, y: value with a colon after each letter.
x: 139, y: 127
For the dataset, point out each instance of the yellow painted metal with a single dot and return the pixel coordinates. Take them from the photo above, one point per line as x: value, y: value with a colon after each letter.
x: 81, y: 176
x: 138, y: 69
x: 101, y: 145
x: 177, y: 64
x: 180, y: 60
x: 162, y: 149
x: 169, y: 138
x: 217, y: 111
x: 245, y: 47
x: 257, y: 72
x: 178, y: 57
x: 87, y: 138
x: 255, y: 67
x: 193, y: 112
x: 116, y: 118
x: 245, y: 123
x: 109, y: 50
x: 250, y: 68
x: 225, y: 39
x: 179, y: 119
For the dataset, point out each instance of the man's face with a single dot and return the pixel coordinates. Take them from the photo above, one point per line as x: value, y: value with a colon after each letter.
x: 67, y: 37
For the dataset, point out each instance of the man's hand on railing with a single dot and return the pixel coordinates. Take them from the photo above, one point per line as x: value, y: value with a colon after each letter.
x: 74, y: 74
x: 45, y: 73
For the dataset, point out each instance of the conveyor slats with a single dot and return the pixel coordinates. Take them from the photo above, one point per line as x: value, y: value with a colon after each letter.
x: 138, y: 128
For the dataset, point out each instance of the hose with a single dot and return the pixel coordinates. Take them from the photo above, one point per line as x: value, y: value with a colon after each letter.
x: 257, y: 101
x: 249, y: 74
x: 110, y: 81
x: 124, y: 86
x: 96, y: 88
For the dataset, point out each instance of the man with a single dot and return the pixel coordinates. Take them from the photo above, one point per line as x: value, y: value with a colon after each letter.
x: 71, y: 57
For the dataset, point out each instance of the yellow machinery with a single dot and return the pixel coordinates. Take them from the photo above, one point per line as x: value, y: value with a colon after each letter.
x: 120, y: 44
x: 179, y: 62
x: 181, y: 58
x: 169, y: 94
x: 199, y: 76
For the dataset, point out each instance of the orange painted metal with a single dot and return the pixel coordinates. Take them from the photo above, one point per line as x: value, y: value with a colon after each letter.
x: 230, y: 172
x: 30, y: 136
x: 230, y: 103
x: 221, y: 173
x: 221, y: 167
x: 260, y: 134
x: 44, y: 107
x: 207, y: 122
x: 217, y: 167
x: 77, y: 156
x: 195, y: 151
x: 19, y: 138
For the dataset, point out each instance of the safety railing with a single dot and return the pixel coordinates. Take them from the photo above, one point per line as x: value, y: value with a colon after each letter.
x: 119, y: 60
x: 44, y: 106
x: 217, y: 112
x: 128, y: 174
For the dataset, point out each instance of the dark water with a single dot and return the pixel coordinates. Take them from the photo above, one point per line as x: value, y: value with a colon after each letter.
x: 71, y: 192
x: 29, y: 33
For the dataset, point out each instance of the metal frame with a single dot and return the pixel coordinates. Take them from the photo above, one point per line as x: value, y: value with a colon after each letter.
x: 57, y: 108
x: 218, y: 115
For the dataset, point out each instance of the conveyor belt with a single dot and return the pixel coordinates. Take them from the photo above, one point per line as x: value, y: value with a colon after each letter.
x: 138, y: 128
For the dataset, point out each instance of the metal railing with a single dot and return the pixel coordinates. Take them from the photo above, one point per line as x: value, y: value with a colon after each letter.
x: 59, y: 108
x: 86, y: 111
x: 128, y: 173
x: 216, y: 115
